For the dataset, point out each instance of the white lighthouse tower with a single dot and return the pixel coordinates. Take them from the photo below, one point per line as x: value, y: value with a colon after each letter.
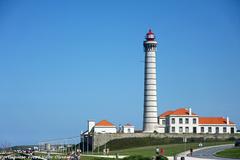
x: 150, y: 121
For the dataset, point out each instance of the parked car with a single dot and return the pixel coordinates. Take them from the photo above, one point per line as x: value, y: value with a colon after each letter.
x: 237, y: 143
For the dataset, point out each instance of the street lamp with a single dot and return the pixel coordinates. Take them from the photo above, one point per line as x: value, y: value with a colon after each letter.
x: 82, y: 135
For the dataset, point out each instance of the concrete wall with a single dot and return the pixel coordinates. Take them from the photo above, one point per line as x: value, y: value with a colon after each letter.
x: 101, y: 139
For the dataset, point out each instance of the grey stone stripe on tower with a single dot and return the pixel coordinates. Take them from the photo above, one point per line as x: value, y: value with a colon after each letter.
x: 150, y: 120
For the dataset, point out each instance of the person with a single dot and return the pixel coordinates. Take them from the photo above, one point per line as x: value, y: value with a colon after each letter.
x: 162, y: 151
x: 191, y: 151
x: 157, y: 151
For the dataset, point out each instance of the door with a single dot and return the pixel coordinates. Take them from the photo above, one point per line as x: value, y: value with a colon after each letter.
x: 194, y: 129
x: 232, y: 130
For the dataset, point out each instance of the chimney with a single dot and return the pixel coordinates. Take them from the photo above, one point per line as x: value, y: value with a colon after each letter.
x: 227, y: 120
x: 91, y: 124
x: 190, y: 111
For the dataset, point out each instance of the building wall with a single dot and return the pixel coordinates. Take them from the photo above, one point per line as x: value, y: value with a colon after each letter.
x: 127, y: 129
x: 91, y: 124
x: 181, y: 127
x: 189, y: 127
x: 214, y: 130
x: 105, y: 129
x: 160, y: 129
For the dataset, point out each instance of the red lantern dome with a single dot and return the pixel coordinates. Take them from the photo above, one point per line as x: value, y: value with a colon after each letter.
x: 150, y: 36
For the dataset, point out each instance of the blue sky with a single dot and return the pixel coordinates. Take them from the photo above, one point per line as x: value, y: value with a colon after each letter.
x: 64, y: 62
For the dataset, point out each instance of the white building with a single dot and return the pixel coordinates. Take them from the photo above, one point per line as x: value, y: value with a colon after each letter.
x: 185, y: 121
x: 103, y: 126
x: 128, y: 128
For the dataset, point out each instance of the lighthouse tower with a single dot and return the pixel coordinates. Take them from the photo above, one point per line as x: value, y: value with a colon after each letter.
x: 150, y: 120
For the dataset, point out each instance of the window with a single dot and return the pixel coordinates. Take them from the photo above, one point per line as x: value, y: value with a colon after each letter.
x: 194, y: 121
x: 187, y: 129
x: 180, y: 120
x: 180, y: 129
x: 164, y: 122
x: 202, y: 129
x: 217, y: 129
x: 209, y: 129
x: 224, y: 129
x: 186, y: 120
x: 173, y: 120
x: 129, y: 130
x: 173, y: 129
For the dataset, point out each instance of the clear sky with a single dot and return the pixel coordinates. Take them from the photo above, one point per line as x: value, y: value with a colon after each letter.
x: 64, y: 62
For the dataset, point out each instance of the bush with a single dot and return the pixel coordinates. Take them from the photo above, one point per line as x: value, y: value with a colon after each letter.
x: 137, y: 157
x: 124, y: 143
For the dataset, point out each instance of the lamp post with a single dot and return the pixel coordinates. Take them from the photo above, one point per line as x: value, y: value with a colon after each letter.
x: 82, y: 135
x: 87, y: 143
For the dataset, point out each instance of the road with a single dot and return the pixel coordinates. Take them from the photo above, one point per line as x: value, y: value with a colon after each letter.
x: 208, y: 153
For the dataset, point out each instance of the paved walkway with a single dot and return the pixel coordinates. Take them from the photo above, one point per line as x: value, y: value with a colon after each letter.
x: 209, y: 152
x: 204, y: 153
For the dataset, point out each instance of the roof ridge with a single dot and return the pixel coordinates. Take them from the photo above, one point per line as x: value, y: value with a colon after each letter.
x: 104, y: 123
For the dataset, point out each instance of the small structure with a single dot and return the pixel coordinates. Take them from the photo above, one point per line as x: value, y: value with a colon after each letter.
x: 104, y: 126
x: 128, y: 128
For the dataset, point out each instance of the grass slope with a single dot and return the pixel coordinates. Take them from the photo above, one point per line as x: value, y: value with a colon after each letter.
x: 125, y: 143
x: 169, y: 149
x: 136, y: 157
x: 229, y: 153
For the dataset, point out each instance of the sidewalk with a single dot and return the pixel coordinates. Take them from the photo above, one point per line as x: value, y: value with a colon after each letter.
x: 186, y: 153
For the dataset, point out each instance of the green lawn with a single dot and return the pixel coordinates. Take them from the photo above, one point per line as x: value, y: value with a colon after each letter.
x: 94, y: 158
x: 169, y: 149
x: 229, y: 153
x: 149, y: 151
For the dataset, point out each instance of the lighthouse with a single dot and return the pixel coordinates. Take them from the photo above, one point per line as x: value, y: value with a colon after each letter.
x: 150, y: 120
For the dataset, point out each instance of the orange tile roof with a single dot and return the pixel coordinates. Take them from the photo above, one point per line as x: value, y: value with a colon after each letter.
x: 166, y: 113
x: 105, y: 123
x: 180, y: 111
x: 213, y: 120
